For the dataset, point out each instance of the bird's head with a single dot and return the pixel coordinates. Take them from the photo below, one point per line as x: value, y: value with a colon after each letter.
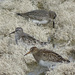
x: 33, y: 50
x: 18, y: 30
x: 52, y: 14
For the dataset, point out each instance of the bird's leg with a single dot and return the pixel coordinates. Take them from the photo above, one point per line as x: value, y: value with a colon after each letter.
x: 53, y: 24
x: 16, y: 41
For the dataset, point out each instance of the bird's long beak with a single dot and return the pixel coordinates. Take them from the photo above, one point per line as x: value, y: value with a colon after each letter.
x: 12, y: 32
x: 27, y: 53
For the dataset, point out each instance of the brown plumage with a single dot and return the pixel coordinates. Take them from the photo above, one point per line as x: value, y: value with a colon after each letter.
x: 46, y: 55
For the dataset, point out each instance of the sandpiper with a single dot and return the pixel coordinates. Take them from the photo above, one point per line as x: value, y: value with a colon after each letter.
x: 40, y: 16
x: 46, y: 58
x: 19, y: 34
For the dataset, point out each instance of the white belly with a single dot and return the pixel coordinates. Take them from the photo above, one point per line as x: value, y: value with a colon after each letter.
x: 40, y: 22
x: 47, y: 64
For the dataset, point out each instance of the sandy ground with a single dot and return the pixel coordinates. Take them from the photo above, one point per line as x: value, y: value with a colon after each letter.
x: 12, y: 60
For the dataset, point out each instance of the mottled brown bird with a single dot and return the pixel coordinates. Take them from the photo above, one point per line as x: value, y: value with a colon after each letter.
x: 45, y: 57
x: 40, y: 16
x: 19, y: 34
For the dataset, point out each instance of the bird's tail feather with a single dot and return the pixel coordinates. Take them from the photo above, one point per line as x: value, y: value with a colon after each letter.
x: 66, y: 60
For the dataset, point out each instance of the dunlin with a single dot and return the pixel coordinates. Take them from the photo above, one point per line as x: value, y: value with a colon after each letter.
x: 40, y: 16
x: 19, y: 34
x: 45, y: 57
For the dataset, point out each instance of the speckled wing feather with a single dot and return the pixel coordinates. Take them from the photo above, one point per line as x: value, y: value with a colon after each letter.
x: 29, y: 38
x: 51, y: 56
